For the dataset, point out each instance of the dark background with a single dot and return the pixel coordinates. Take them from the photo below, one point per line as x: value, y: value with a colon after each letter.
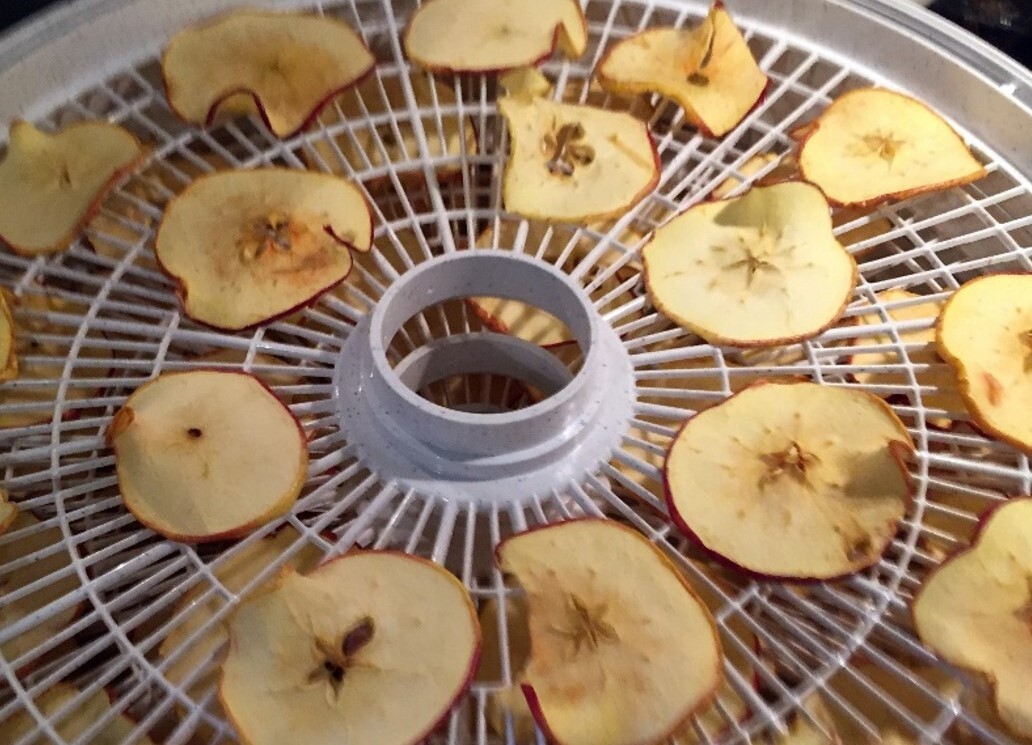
x: 1006, y: 24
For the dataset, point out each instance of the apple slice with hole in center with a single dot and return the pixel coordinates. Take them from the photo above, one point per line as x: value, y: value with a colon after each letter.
x: 985, y: 333
x: 76, y: 719
x: 761, y: 269
x: 457, y: 36
x: 207, y: 455
x: 975, y: 610
x: 872, y: 145
x: 622, y: 649
x: 54, y: 183
x: 372, y: 648
x: 286, y: 66
x: 796, y: 480
x: 250, y: 246
x: 708, y: 70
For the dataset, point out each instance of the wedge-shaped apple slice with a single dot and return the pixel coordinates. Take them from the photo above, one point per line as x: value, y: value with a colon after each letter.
x: 572, y: 163
x: 250, y: 246
x: 371, y: 648
x: 622, y: 650
x: 288, y: 64
x: 872, y: 145
x: 77, y: 717
x: 8, y: 512
x: 791, y: 480
x: 708, y: 70
x: 54, y: 184
x: 8, y: 353
x: 985, y: 333
x: 974, y: 610
x: 760, y: 269
x: 493, y: 35
x: 207, y: 455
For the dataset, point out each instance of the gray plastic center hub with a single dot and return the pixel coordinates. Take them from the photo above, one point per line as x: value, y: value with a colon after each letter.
x: 473, y: 455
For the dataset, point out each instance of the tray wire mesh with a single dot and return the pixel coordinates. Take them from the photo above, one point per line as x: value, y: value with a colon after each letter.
x: 104, y: 320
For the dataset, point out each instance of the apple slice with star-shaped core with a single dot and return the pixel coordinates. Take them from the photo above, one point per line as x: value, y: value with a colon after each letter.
x: 207, y: 455
x: 760, y: 269
x: 975, y: 610
x: 622, y: 649
x: 77, y: 719
x: 8, y: 352
x: 985, y: 333
x: 574, y: 163
x: 250, y: 246
x: 285, y: 66
x: 8, y: 512
x: 872, y: 145
x: 54, y: 183
x: 456, y: 36
x: 708, y: 70
x: 372, y: 648
x: 794, y: 480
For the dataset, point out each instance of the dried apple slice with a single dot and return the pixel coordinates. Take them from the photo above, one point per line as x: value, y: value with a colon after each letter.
x: 616, y: 656
x: 207, y: 455
x: 8, y: 512
x: 250, y: 246
x: 872, y: 145
x: 8, y: 352
x: 288, y: 64
x: 508, y: 701
x: 760, y: 269
x: 493, y: 35
x: 572, y: 163
x: 371, y: 648
x: 78, y: 719
x: 985, y: 333
x: 791, y: 480
x: 974, y: 611
x: 54, y: 184
x: 708, y: 70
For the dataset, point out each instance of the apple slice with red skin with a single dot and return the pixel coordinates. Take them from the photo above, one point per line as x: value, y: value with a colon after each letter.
x: 975, y: 610
x: 791, y: 480
x: 286, y: 66
x: 249, y: 246
x: 372, y: 648
x: 493, y: 35
x: 985, y: 332
x: 207, y: 455
x: 53, y: 184
x: 622, y: 649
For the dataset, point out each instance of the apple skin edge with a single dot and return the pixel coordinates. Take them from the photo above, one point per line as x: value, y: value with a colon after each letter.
x: 456, y: 698
x: 900, y: 453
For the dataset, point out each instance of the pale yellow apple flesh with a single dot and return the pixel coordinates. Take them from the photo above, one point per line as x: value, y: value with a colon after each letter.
x: 708, y: 70
x: 77, y: 719
x: 288, y: 64
x: 622, y: 650
x: 8, y: 512
x: 207, y: 455
x: 872, y: 145
x: 372, y: 648
x: 985, y: 333
x: 8, y: 352
x: 54, y: 184
x: 574, y: 163
x: 492, y: 35
x: 250, y: 246
x: 975, y: 611
x: 760, y: 269
x: 792, y: 480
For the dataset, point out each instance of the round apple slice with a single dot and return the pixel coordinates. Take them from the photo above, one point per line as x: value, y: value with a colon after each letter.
x: 760, y: 269
x: 494, y: 35
x: 796, y: 480
x: 288, y: 64
x: 974, y: 610
x: 872, y: 145
x: 708, y: 70
x: 250, y: 246
x: 207, y: 455
x: 622, y: 650
x: 573, y: 163
x: 372, y: 648
x: 985, y: 333
x: 53, y: 184
x: 76, y: 720
x: 8, y: 353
